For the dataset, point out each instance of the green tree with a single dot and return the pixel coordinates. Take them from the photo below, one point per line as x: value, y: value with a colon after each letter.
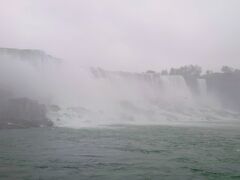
x: 187, y: 71
x: 227, y: 69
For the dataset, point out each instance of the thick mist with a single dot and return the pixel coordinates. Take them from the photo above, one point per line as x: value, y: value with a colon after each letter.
x: 127, y: 89
x: 83, y: 97
x: 126, y: 35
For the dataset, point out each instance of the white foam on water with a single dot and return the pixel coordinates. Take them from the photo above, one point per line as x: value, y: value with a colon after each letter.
x: 109, y: 98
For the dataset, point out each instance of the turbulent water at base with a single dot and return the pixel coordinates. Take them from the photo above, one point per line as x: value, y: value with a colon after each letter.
x: 77, y: 97
x: 103, y: 98
x: 115, y: 125
x: 136, y: 153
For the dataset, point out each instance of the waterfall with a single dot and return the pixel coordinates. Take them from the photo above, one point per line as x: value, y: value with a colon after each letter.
x: 105, y: 97
x: 202, y: 87
x: 78, y: 97
x: 175, y: 88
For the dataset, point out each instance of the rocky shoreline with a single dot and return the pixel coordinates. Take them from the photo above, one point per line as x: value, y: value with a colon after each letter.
x: 23, y: 113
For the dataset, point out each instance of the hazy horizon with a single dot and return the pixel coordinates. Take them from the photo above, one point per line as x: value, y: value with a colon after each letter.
x: 118, y: 120
x: 126, y: 35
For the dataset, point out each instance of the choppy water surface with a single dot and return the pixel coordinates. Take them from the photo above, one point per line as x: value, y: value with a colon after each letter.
x: 147, y: 152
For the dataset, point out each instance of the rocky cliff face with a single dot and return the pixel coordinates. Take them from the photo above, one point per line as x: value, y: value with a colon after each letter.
x: 20, y: 71
x: 37, y: 58
x: 226, y: 86
x: 23, y: 113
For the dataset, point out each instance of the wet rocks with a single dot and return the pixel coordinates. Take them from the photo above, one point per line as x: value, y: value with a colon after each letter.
x: 23, y: 113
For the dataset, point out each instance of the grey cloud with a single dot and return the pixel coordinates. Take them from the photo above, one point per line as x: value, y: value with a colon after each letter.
x: 130, y: 35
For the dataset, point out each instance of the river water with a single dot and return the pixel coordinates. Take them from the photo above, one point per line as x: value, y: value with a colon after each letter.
x: 120, y: 152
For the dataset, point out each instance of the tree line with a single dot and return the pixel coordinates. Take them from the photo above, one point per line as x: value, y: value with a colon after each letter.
x: 195, y: 71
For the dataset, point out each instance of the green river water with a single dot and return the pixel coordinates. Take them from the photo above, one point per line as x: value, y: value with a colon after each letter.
x: 124, y: 152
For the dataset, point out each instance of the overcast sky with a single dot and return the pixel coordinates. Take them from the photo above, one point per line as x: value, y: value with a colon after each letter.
x: 134, y: 35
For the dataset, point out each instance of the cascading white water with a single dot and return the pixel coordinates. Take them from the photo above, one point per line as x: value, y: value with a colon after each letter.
x: 176, y: 89
x: 79, y: 97
x: 202, y: 86
x: 103, y: 98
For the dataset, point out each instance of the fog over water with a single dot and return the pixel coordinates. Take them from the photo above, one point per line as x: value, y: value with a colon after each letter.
x: 125, y: 39
x: 127, y: 89
x: 83, y: 97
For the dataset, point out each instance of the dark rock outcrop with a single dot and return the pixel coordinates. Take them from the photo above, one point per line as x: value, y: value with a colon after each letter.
x: 23, y: 113
x: 226, y: 86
